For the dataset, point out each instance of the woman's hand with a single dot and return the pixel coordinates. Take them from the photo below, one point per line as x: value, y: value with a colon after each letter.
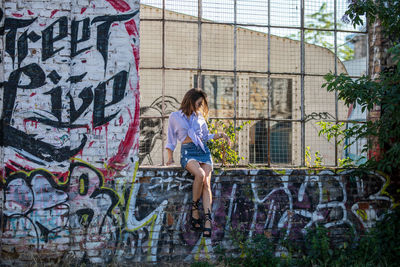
x: 170, y: 162
x: 226, y: 137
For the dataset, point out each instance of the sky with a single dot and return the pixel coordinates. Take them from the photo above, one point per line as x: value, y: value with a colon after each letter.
x: 283, y: 12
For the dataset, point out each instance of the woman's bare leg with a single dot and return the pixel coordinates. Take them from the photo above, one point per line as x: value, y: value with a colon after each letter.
x: 199, y: 176
x: 207, y: 194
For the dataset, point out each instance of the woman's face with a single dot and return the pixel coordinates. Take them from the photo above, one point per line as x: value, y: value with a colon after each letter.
x: 198, y: 104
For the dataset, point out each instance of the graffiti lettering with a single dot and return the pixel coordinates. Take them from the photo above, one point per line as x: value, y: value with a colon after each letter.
x: 48, y: 39
x: 319, y: 116
x: 103, y: 29
x: 17, y: 46
x: 152, y: 220
x: 70, y: 92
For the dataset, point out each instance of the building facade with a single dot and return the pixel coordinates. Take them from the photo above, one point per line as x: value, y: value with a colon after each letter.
x: 267, y: 89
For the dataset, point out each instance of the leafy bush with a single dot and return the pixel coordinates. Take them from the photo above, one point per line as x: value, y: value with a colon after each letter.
x: 317, y: 159
x: 378, y: 247
x: 368, y: 93
x: 220, y: 151
x: 383, y: 92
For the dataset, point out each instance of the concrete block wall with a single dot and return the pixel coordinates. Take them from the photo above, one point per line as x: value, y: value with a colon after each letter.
x: 145, y: 220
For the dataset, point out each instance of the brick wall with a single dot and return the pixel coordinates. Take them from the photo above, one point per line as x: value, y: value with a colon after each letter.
x: 70, y: 123
x: 378, y: 60
x: 146, y: 219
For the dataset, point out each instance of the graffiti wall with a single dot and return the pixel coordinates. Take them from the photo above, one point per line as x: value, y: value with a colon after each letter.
x: 70, y: 187
x: 70, y: 123
x: 280, y: 204
x: 147, y: 218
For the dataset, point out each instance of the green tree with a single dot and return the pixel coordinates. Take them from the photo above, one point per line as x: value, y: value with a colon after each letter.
x: 324, y: 20
x: 384, y: 91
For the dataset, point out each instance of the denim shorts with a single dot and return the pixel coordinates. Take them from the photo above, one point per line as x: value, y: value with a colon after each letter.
x: 190, y: 151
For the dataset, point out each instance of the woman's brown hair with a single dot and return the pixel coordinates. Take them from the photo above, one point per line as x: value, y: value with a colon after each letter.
x: 189, y: 100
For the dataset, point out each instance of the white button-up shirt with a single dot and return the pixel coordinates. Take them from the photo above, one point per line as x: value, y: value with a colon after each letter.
x: 180, y: 126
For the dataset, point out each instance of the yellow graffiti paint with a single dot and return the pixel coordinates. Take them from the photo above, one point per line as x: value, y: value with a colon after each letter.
x: 362, y: 214
x: 281, y: 172
x: 206, y: 250
x: 102, y: 186
x: 385, y: 186
x: 200, y: 247
x: 130, y: 193
x: 383, y: 191
x: 154, y: 217
x: 38, y: 169
x: 81, y: 186
x: 84, y: 219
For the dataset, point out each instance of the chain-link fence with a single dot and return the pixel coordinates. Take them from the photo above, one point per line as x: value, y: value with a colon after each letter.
x: 258, y: 60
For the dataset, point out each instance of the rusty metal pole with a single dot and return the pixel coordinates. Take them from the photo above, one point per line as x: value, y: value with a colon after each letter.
x: 336, y: 72
x: 199, y: 40
x: 163, y: 85
x: 235, y: 63
x: 302, y: 76
x: 269, y: 86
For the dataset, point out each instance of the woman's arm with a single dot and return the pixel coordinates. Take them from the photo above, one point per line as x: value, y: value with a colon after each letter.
x: 170, y: 157
x: 171, y: 140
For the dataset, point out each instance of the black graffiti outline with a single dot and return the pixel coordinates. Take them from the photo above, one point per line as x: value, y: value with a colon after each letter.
x: 98, y: 191
x: 48, y: 39
x: 21, y: 141
x: 151, y: 129
x: 18, y: 48
x: 318, y: 116
x: 39, y: 229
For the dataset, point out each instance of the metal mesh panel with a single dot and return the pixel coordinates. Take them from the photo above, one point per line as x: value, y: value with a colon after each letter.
x: 174, y: 9
x: 248, y: 14
x: 252, y: 49
x: 181, y: 54
x: 151, y: 44
x: 285, y: 13
x: 285, y: 51
x: 261, y: 61
x: 217, y: 47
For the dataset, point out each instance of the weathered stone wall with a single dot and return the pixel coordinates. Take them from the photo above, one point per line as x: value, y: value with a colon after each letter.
x: 69, y: 123
x: 146, y: 219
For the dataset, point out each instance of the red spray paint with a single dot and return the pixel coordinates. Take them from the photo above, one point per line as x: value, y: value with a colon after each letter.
x: 133, y: 32
x: 119, y: 5
x: 129, y: 141
x: 54, y: 12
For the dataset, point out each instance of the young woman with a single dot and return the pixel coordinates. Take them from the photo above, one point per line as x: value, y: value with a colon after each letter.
x: 188, y: 125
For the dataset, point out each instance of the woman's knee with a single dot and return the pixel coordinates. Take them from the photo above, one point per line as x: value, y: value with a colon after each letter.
x: 195, y: 169
x: 200, y: 175
x: 206, y: 183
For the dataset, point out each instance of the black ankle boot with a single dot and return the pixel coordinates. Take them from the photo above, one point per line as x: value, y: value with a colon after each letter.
x: 195, y: 223
x: 207, y: 230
